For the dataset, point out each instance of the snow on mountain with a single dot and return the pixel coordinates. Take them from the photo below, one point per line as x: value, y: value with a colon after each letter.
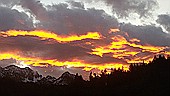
x: 65, y: 79
x: 19, y: 74
x: 28, y: 75
x: 48, y: 80
x: 1, y: 72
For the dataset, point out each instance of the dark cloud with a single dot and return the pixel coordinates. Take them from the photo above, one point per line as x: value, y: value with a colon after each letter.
x: 36, y: 8
x: 164, y: 20
x: 12, y: 19
x: 32, y: 47
x: 4, y: 63
x: 57, y: 71
x: 106, y: 59
x: 80, y: 21
x: 123, y: 8
x: 148, y: 34
x: 75, y: 20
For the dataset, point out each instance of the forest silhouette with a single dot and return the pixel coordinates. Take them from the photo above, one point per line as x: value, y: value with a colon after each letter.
x: 152, y: 79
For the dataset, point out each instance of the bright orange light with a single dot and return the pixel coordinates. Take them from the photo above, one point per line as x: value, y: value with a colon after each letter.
x: 114, y: 30
x: 55, y: 62
x: 133, y: 40
x: 49, y: 35
x: 122, y: 49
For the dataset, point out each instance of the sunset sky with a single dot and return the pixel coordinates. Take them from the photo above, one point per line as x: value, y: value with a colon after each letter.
x: 54, y: 36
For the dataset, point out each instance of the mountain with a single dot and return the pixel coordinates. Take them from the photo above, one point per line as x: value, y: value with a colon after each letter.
x: 18, y: 74
x: 65, y: 79
x: 1, y: 72
x: 48, y: 80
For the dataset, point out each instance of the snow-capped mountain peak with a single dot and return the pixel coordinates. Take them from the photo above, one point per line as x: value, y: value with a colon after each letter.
x: 26, y: 74
x: 20, y: 74
x: 66, y: 78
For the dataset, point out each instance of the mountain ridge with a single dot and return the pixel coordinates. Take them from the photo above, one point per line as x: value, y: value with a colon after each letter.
x: 26, y: 74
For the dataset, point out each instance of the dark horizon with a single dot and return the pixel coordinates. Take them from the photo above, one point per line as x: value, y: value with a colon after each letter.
x: 141, y: 79
x: 80, y: 36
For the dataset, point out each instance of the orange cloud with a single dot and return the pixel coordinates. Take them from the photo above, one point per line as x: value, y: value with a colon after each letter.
x: 49, y: 35
x: 54, y: 62
x: 114, y: 30
x: 122, y: 49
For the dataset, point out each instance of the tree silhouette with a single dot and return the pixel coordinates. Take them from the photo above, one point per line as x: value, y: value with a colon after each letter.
x: 152, y: 76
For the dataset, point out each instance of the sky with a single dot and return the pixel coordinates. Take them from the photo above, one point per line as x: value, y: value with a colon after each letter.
x: 163, y: 4
x: 54, y: 36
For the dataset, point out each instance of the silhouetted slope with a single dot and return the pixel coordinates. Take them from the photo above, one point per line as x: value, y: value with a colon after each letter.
x: 142, y: 79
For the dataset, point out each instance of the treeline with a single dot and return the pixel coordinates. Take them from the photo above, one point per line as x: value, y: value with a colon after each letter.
x: 142, y: 78
x: 157, y: 70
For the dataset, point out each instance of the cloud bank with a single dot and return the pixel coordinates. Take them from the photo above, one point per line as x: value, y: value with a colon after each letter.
x: 123, y: 8
x: 119, y: 43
